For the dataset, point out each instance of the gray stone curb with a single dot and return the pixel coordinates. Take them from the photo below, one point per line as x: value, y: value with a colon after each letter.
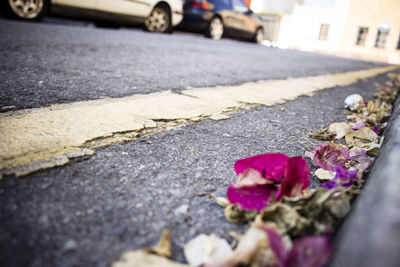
x: 370, y: 236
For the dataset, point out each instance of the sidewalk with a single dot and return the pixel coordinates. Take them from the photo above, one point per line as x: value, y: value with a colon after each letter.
x: 370, y: 236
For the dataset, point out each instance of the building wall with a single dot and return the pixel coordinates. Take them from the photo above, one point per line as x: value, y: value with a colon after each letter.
x: 302, y: 28
x: 370, y: 13
x: 273, y: 6
x: 300, y: 23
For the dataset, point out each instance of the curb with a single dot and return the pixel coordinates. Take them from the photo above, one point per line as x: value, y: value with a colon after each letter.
x: 370, y: 236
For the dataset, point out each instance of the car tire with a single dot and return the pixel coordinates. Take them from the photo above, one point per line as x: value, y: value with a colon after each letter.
x: 258, y: 36
x: 159, y: 20
x: 215, y: 29
x: 33, y: 10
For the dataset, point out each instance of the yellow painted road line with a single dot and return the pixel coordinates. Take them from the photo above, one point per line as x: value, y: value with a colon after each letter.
x: 37, y: 138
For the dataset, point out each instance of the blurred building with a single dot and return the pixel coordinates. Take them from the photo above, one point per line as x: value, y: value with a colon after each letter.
x: 368, y: 29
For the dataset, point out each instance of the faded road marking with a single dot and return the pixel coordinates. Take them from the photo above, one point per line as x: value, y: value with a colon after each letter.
x: 37, y: 135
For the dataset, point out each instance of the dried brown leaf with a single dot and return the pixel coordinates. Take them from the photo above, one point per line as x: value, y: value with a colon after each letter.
x: 340, y: 129
x: 235, y: 214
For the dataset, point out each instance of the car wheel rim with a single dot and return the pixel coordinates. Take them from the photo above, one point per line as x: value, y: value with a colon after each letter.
x: 259, y: 36
x: 27, y: 9
x: 216, y: 29
x: 157, y: 21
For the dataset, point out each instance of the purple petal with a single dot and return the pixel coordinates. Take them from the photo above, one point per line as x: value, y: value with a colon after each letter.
x: 376, y: 130
x: 330, y: 184
x: 358, y: 125
x: 343, y: 177
x: 270, y: 166
x: 344, y: 173
x: 250, y: 197
x: 277, y: 246
x: 296, y: 177
x: 313, y: 251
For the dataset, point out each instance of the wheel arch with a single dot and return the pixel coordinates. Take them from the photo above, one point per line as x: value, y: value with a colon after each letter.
x: 165, y: 5
x: 217, y: 15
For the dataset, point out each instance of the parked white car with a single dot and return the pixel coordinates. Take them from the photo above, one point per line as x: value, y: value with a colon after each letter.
x: 156, y: 15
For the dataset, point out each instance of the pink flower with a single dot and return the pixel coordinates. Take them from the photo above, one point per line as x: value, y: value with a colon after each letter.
x: 270, y: 166
x: 296, y: 177
x: 267, y: 176
x: 329, y: 156
x: 311, y: 251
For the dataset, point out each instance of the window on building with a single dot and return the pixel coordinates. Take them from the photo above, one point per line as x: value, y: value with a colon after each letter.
x: 362, y: 36
x: 381, y: 38
x: 323, y: 32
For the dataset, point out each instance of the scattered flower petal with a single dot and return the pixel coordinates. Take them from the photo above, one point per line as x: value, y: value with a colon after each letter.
x: 358, y: 125
x: 340, y: 129
x: 250, y: 197
x: 296, y: 177
x: 235, y: 214
x: 205, y: 249
x: 313, y: 251
x: 254, y: 190
x: 324, y: 174
x: 357, y: 152
x: 362, y: 138
x: 375, y: 129
x: 270, y: 166
x: 328, y: 156
x: 143, y: 258
x: 277, y: 245
x: 251, y: 177
x: 323, y: 134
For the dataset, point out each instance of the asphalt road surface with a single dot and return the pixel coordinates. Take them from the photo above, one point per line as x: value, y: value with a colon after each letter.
x: 43, y: 64
x: 90, y: 211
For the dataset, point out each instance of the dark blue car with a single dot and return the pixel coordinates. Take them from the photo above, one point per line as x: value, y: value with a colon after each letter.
x: 217, y: 18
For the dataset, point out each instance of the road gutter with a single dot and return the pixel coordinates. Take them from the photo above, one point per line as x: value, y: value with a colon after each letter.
x: 370, y: 235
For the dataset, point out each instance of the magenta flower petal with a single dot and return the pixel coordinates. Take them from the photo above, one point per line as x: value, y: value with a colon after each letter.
x: 328, y: 156
x: 296, y: 177
x: 250, y: 197
x: 277, y: 246
x: 270, y: 166
x: 376, y: 130
x: 313, y: 251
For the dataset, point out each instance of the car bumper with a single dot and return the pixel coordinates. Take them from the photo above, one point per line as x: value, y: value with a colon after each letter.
x: 177, y: 18
x: 195, y: 20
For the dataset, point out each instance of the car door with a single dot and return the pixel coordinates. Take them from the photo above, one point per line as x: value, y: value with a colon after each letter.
x: 87, y: 4
x: 242, y: 25
x: 137, y: 8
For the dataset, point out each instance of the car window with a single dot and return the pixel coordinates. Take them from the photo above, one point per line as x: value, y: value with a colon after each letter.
x: 221, y: 4
x: 240, y: 6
